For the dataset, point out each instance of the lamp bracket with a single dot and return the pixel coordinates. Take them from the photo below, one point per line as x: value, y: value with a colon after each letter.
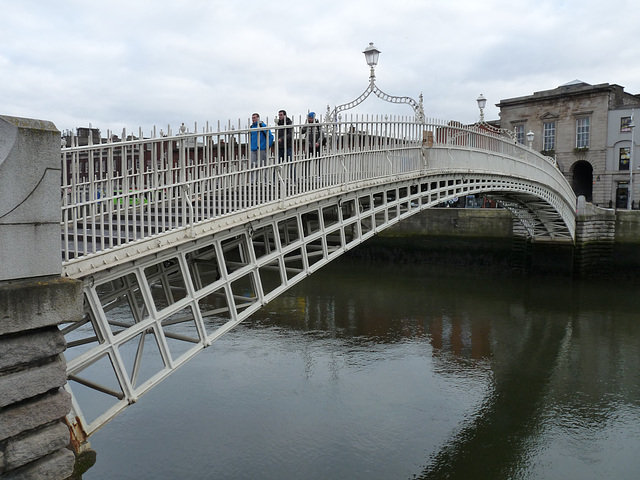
x: 373, y: 88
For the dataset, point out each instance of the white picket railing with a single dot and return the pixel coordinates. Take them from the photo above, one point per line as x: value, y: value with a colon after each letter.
x: 123, y: 190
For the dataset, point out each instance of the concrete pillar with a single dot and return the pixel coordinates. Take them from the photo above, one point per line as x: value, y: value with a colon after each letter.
x: 34, y: 299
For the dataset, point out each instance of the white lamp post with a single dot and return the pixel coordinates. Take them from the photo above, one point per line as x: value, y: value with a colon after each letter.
x: 630, y: 191
x: 482, y: 102
x: 371, y: 54
x: 530, y: 136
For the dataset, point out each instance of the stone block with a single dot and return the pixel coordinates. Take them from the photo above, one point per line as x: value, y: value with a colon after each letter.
x: 34, y: 413
x: 25, y: 384
x: 56, y: 466
x: 30, y: 169
x: 35, y: 445
x: 23, y: 251
x: 36, y: 303
x: 30, y: 347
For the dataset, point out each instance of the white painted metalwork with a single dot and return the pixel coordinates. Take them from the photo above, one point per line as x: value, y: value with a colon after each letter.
x: 371, y: 54
x: 179, y: 238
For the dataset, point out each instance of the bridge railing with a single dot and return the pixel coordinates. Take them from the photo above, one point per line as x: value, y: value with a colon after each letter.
x: 125, y: 189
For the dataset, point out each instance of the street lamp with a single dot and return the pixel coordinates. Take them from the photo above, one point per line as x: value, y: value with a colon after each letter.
x: 530, y: 136
x: 482, y: 102
x: 630, y: 192
x: 371, y: 54
x: 487, y: 127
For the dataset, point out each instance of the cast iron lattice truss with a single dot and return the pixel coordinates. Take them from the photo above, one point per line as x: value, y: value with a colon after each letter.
x: 171, y: 266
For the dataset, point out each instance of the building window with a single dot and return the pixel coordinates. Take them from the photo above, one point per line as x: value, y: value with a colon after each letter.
x: 519, y: 131
x: 625, y: 124
x: 582, y: 132
x: 625, y: 156
x: 549, y: 136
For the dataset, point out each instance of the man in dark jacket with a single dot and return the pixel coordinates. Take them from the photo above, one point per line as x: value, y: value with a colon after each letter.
x: 285, y: 136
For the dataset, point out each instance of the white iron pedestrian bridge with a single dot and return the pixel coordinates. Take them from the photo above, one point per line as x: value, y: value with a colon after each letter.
x: 178, y: 238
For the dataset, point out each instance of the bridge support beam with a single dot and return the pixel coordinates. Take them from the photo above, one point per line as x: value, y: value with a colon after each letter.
x: 34, y: 299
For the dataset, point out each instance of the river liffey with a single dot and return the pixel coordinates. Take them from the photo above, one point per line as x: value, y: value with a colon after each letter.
x: 401, y: 372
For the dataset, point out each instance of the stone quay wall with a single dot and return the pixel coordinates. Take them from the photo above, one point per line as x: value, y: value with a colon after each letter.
x: 607, y: 242
x: 34, y: 300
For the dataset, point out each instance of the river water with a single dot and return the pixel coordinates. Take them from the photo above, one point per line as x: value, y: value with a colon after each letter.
x: 401, y: 372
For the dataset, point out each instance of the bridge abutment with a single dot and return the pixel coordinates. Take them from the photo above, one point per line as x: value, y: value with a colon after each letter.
x: 33, y: 404
x: 34, y: 300
x: 595, y: 240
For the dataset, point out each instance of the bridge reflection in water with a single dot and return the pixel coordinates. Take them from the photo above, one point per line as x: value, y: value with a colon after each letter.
x: 342, y: 377
x: 179, y: 239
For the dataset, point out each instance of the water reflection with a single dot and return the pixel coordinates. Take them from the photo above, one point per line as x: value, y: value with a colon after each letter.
x: 379, y: 372
x: 557, y: 365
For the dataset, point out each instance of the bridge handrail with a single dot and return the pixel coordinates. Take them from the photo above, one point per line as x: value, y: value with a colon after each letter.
x: 120, y: 191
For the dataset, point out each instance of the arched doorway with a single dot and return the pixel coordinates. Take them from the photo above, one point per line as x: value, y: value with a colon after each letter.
x: 583, y: 180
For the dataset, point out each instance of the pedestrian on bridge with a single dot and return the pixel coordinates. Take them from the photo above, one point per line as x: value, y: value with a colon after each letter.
x: 313, y: 134
x: 313, y: 137
x: 285, y: 136
x: 259, y: 146
x: 285, y: 141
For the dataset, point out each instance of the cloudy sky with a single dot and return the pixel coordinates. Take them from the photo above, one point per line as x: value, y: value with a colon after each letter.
x: 140, y: 63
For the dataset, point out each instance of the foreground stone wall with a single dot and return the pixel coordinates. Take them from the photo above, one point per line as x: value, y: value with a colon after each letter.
x: 34, y: 300
x: 33, y: 435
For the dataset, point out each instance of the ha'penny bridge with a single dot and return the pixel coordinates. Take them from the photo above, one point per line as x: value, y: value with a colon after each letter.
x: 178, y: 239
x: 171, y: 240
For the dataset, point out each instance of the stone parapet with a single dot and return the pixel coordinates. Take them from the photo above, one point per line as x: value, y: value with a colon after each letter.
x: 30, y: 169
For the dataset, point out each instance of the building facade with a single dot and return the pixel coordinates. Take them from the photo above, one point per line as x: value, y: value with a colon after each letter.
x: 588, y: 129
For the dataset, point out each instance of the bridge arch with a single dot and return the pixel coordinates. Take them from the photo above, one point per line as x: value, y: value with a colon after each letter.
x: 237, y: 238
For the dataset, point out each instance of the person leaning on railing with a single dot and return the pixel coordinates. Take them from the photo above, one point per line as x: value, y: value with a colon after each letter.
x: 261, y: 145
x: 285, y: 136
x: 313, y: 134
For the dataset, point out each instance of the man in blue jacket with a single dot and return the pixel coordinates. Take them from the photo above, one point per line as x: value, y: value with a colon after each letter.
x: 260, y: 141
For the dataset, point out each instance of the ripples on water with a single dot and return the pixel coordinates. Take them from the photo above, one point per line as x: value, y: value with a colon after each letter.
x: 369, y: 372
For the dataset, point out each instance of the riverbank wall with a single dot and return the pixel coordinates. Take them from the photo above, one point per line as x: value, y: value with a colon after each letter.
x: 607, y: 243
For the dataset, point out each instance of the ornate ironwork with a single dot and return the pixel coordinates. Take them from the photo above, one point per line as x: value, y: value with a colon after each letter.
x: 373, y: 88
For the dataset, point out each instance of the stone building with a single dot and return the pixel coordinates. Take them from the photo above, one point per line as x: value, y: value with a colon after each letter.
x: 587, y: 129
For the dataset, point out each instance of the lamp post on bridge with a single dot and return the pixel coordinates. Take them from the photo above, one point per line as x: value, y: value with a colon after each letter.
x: 482, y: 102
x: 530, y: 136
x: 372, y: 54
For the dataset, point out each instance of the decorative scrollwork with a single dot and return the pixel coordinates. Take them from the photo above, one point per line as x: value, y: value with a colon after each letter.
x: 373, y: 88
